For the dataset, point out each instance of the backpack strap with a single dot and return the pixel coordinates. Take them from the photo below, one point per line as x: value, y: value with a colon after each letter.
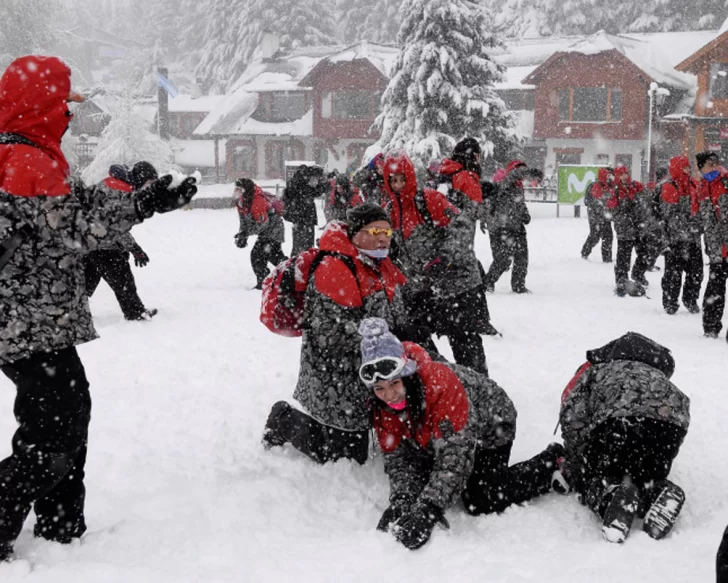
x: 348, y: 261
x: 10, y: 138
x: 421, y: 205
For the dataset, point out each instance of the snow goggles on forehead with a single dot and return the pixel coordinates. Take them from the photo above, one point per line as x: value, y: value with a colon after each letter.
x: 385, y: 368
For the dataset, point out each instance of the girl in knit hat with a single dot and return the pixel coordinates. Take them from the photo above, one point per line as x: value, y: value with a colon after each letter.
x: 446, y: 431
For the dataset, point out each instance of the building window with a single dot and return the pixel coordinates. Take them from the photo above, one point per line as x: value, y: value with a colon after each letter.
x: 590, y: 104
x: 518, y: 99
x: 320, y: 154
x: 719, y: 80
x: 243, y: 158
x: 624, y: 160
x: 287, y: 106
x: 567, y: 158
x: 601, y: 159
x: 354, y: 105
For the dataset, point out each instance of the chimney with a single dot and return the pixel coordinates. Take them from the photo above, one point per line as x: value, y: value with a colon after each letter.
x: 269, y: 45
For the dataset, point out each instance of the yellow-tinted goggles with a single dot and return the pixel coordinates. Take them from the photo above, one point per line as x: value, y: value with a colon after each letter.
x: 376, y: 231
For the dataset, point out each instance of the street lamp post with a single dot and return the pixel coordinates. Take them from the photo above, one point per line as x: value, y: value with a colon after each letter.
x: 656, y: 94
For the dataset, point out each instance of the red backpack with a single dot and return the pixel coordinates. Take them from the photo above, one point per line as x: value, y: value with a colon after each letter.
x: 276, y: 203
x: 284, y: 291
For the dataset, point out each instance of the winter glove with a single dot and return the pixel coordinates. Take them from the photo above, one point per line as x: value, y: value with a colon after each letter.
x: 241, y: 240
x: 140, y: 258
x: 159, y: 198
x: 415, y: 526
x: 397, y: 508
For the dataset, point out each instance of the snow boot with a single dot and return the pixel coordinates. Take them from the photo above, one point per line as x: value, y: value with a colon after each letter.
x: 620, y: 512
x: 521, y: 289
x: 663, y: 512
x: 672, y: 309
x: 692, y: 307
x: 641, y: 279
x: 490, y: 330
x: 274, y: 434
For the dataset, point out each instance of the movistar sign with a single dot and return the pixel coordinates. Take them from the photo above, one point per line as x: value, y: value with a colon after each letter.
x: 573, y: 182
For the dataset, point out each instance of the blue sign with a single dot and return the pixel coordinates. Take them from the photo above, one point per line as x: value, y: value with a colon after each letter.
x: 168, y: 86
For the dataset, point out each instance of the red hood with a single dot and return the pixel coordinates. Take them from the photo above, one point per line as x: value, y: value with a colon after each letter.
x: 450, y: 167
x: 620, y: 171
x: 676, y: 167
x: 513, y: 164
x: 33, y: 93
x: 336, y: 238
x: 603, y: 175
x: 399, y: 163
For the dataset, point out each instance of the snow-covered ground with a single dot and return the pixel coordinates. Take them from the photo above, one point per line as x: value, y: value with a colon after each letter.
x: 180, y: 488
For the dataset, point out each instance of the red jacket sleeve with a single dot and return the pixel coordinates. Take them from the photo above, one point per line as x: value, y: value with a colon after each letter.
x: 446, y: 400
x: 335, y: 280
x: 441, y: 209
x: 669, y: 193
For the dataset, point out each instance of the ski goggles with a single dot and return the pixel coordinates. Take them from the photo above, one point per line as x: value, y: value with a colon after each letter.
x: 385, y: 368
x: 376, y: 231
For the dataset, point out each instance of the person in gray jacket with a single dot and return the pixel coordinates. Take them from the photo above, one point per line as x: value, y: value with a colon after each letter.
x: 446, y: 432
x: 623, y: 422
x: 47, y: 225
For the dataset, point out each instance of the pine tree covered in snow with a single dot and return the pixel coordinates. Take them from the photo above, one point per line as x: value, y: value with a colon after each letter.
x: 441, y: 88
x: 126, y: 140
x: 235, y: 30
x: 372, y: 20
x: 521, y: 18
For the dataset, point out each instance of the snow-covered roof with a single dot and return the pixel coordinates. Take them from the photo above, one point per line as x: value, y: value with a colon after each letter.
x: 284, y: 73
x: 514, y: 78
x: 299, y: 127
x: 229, y: 115
x: 383, y: 57
x: 197, y: 153
x: 203, y: 104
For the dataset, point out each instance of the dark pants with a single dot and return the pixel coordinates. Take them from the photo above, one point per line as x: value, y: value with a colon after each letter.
x: 318, y: 441
x: 721, y: 561
x: 599, y: 228
x: 640, y: 448
x: 714, y: 298
x: 684, y: 257
x: 53, y: 410
x: 624, y: 260
x: 507, y: 245
x: 493, y: 485
x: 113, y: 266
x: 265, y: 251
x: 303, y: 238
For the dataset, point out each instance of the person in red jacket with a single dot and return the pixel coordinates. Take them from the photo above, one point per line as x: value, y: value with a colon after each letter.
x: 680, y: 212
x: 600, y: 225
x: 713, y: 200
x: 49, y: 222
x: 343, y: 196
x: 258, y: 216
x: 446, y: 433
x: 354, y: 280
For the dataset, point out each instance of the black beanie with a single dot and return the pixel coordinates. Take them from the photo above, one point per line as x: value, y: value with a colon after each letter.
x: 120, y: 172
x: 360, y: 216
x: 467, y: 147
x: 702, y: 157
x: 142, y: 172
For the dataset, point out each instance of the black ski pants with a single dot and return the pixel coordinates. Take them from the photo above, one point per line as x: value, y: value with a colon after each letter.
x: 303, y: 238
x: 46, y: 467
x: 624, y: 260
x: 721, y: 560
x: 265, y: 251
x: 318, y: 441
x: 506, y: 246
x: 714, y: 298
x: 685, y: 257
x: 599, y: 229
x: 640, y: 448
x: 493, y: 485
x: 113, y: 266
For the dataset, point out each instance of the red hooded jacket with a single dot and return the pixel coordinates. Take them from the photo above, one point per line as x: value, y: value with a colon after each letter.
x: 623, y: 191
x: 445, y: 400
x: 466, y: 181
x: 33, y: 91
x: 336, y: 281
x: 403, y: 213
x: 681, y: 185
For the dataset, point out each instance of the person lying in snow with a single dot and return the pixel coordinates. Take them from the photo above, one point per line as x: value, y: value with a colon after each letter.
x: 446, y: 431
x: 623, y: 422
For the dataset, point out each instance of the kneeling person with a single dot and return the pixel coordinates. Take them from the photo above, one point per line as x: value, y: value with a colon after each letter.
x: 446, y: 431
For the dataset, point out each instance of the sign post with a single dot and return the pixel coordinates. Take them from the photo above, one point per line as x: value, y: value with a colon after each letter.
x: 573, y: 180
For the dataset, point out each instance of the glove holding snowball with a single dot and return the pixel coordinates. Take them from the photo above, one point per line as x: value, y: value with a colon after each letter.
x: 159, y: 197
